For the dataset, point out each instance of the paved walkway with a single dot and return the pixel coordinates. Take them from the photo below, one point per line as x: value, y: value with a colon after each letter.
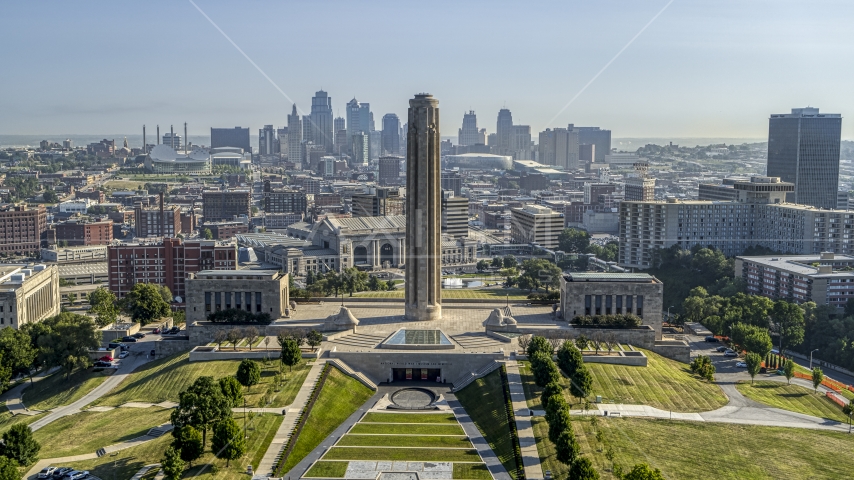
x: 13, y: 396
x: 489, y: 458
x: 524, y: 427
x: 142, y: 471
x: 127, y: 365
x: 265, y: 467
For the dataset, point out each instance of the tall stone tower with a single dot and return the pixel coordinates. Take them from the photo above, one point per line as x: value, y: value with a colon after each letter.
x: 423, y: 211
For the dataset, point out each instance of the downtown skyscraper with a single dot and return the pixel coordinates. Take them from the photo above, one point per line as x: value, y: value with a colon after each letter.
x: 321, y: 120
x: 391, y: 134
x: 294, y: 137
x: 803, y: 148
x: 469, y: 133
x: 504, y: 132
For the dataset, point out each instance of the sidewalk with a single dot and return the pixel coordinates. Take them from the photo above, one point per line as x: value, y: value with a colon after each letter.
x: 489, y: 458
x: 524, y: 428
x: 265, y: 467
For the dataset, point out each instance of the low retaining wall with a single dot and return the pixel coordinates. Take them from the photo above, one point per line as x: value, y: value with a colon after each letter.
x: 378, y: 364
x: 632, y: 359
x: 171, y: 345
x: 205, y: 353
x: 678, y: 350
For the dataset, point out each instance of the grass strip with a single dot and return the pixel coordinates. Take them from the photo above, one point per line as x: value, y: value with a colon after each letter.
x: 404, y: 429
x: 402, y: 454
x: 793, y: 398
x: 375, y: 417
x: 324, y: 469
x: 471, y: 471
x: 404, y: 441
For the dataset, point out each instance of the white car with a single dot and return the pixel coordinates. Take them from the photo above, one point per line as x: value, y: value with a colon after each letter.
x: 47, y: 472
x: 741, y: 365
x: 123, y: 354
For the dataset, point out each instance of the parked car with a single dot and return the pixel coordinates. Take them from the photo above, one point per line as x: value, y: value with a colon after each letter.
x: 61, y: 471
x: 114, y: 345
x: 741, y: 364
x: 123, y: 354
x: 129, y: 339
x: 106, y: 358
x: 153, y: 352
x: 175, y: 329
x: 47, y: 472
x: 139, y: 335
x: 730, y: 353
x: 157, y: 330
x: 711, y: 339
x: 722, y: 348
x: 100, y: 364
x: 76, y: 475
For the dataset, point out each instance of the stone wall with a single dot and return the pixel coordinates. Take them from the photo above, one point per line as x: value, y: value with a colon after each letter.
x: 203, y: 333
x: 377, y: 364
x: 678, y: 350
x: 205, y: 354
x: 171, y: 345
x: 634, y: 359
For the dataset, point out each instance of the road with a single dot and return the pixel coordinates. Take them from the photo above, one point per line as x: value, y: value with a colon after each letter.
x: 138, y: 356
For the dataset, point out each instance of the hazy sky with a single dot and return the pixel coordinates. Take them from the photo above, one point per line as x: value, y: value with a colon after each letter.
x: 701, y: 69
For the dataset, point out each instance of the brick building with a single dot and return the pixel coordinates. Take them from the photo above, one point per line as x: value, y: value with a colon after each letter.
x: 85, y: 233
x: 21, y: 228
x: 162, y: 221
x: 167, y: 263
x: 226, y: 204
x: 226, y: 230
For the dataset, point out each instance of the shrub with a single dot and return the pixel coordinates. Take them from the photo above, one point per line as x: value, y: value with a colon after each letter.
x: 539, y: 344
x: 627, y: 320
x: 233, y: 315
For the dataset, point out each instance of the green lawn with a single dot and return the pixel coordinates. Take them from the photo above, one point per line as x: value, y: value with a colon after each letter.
x: 339, y: 397
x: 483, y: 400
x: 327, y: 469
x: 375, y: 417
x: 458, y: 293
x: 7, y: 419
x: 663, y: 383
x: 404, y: 429
x: 260, y: 429
x: 86, y: 432
x: 404, y: 441
x: 164, y: 379
x: 794, y: 398
x: 402, y: 454
x: 472, y: 471
x: 702, y: 450
x: 55, y: 391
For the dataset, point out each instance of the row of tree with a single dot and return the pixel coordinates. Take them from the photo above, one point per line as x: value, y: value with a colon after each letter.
x: 351, y: 280
x: 145, y: 303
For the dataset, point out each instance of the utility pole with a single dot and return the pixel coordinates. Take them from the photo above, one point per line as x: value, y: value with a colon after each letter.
x: 811, y: 357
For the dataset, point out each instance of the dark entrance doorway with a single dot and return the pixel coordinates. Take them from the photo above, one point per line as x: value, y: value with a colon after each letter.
x: 360, y: 255
x: 426, y: 374
x: 386, y: 255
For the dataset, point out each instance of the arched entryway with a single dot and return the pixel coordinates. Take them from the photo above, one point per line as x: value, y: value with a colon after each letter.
x: 360, y: 255
x: 386, y: 255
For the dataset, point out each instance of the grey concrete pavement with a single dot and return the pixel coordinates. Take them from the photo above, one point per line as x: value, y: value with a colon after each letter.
x: 489, y: 458
x: 524, y: 427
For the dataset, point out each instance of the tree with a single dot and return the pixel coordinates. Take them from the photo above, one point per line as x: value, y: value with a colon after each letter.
x: 569, y: 358
x: 643, y: 471
x: 220, y: 337
x: 50, y: 196
x: 232, y: 390
x: 482, y: 265
x: 207, y: 234
x: 573, y: 240
x: 172, y: 464
x: 544, y: 369
x: 17, y: 351
x: 234, y: 336
x: 72, y: 297
x: 788, y: 319
x: 509, y: 261
x: 582, y: 469
x: 9, y: 469
x: 539, y: 344
x: 581, y: 382
x: 248, y: 372
x: 497, y: 262
x: 789, y: 370
x: 314, y: 339
x: 566, y: 447
x: 251, y: 334
x: 188, y: 441
x: 228, y: 441
x: 557, y: 417
x: 65, y: 340
x: 165, y: 294
x: 754, y: 363
x: 354, y: 280
x: 144, y: 303
x: 759, y: 343
x: 201, y: 405
x: 291, y: 353
x: 19, y: 444
x: 817, y: 378
x: 104, y: 306
x: 553, y: 388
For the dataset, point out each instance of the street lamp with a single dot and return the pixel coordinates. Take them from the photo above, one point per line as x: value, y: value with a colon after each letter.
x: 668, y: 314
x: 811, y: 357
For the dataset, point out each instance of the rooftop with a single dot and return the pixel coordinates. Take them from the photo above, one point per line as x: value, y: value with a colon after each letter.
x: 610, y: 277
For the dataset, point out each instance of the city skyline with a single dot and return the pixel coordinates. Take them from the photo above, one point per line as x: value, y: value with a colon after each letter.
x: 684, y: 75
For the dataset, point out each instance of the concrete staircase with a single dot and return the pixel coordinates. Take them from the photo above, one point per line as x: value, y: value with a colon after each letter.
x: 345, y: 369
x: 358, y: 340
x: 160, y: 430
x: 467, y: 378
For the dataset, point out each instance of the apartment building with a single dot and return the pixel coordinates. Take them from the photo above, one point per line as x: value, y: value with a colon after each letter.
x: 21, y: 228
x: 826, y: 278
